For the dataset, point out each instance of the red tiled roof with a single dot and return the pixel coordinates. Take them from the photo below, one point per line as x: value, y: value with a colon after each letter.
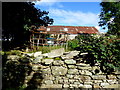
x: 71, y: 29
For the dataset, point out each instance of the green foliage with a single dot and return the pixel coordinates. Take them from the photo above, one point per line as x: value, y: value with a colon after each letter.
x: 73, y: 44
x: 13, y: 52
x: 57, y: 58
x: 86, y: 42
x: 110, y: 17
x: 2, y: 52
x: 18, y: 17
x: 104, y: 50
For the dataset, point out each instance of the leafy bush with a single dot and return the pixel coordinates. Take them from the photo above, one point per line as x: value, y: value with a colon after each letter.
x: 72, y: 44
x: 104, y: 50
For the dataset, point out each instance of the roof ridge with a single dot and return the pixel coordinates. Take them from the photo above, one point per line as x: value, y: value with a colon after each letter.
x: 71, y: 26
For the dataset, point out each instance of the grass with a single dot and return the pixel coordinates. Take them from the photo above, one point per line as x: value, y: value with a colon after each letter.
x: 46, y: 49
x: 11, y: 52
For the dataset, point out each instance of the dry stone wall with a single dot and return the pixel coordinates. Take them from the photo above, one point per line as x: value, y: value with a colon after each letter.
x: 67, y: 72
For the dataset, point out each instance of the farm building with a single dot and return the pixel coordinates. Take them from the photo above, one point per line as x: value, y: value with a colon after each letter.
x: 52, y: 35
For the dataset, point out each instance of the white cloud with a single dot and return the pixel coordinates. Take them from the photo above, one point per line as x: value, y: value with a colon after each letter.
x: 70, y: 0
x: 49, y: 3
x: 46, y: 2
x: 66, y: 17
x: 97, y: 27
x: 75, y: 18
x: 100, y: 29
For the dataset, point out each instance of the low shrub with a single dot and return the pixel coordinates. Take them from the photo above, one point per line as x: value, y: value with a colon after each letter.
x: 104, y: 50
x: 72, y: 44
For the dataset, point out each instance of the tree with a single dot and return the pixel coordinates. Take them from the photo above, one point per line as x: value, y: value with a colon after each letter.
x: 17, y: 20
x: 110, y: 17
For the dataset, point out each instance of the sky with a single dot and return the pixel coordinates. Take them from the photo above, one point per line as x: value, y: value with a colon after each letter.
x: 72, y: 13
